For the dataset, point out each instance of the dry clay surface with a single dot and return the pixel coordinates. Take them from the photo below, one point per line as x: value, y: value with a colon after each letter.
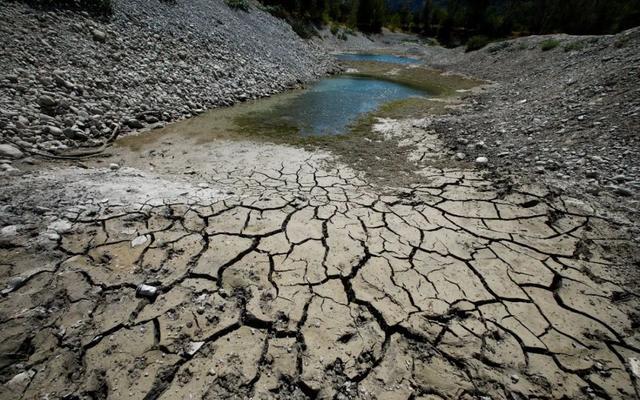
x: 275, y: 273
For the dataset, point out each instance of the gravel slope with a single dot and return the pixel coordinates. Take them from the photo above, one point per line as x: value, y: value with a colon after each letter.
x: 569, y: 116
x: 67, y: 80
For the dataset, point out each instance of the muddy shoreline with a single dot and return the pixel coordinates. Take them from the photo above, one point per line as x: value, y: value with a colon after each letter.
x: 69, y: 80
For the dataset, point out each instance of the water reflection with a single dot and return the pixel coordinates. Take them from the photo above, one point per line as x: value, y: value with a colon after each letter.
x: 377, y: 57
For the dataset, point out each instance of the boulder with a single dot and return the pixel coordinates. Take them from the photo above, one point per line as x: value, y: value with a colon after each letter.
x: 8, y: 151
x: 98, y: 35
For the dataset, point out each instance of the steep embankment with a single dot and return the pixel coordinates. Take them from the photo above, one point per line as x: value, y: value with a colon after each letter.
x: 67, y: 79
x: 563, y: 110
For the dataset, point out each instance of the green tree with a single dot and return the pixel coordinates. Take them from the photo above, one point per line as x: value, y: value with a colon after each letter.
x: 445, y: 31
x: 416, y: 24
x: 370, y: 15
x: 476, y: 15
x: 335, y: 10
x: 405, y: 15
x: 426, y: 15
x: 316, y: 11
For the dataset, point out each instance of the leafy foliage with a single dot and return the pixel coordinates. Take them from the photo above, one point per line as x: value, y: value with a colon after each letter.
x: 238, y: 4
x: 300, y: 26
x: 620, y: 43
x: 549, y: 44
x: 365, y: 15
x: 575, y: 46
x: 499, y: 46
x: 370, y: 15
x: 477, y: 42
x: 454, y: 22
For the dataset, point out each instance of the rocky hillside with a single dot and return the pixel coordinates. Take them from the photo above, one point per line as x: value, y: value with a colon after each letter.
x: 68, y: 80
x: 560, y: 109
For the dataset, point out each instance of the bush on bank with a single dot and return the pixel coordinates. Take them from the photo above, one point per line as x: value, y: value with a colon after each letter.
x: 549, y: 44
x: 477, y: 42
x: 238, y: 4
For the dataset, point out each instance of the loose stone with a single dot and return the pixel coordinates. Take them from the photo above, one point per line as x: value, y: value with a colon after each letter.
x: 98, y: 35
x: 147, y: 291
x: 9, y: 151
x: 139, y: 241
x: 47, y: 101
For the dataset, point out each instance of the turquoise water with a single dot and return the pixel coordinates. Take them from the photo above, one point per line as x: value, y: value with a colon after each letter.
x: 378, y: 57
x: 329, y: 106
x: 324, y: 109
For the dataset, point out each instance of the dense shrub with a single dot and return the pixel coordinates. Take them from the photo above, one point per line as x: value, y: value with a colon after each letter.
x: 498, y: 47
x: 238, y: 4
x: 476, y: 43
x: 549, y: 44
x: 575, y: 46
x: 302, y: 27
x: 621, y: 42
x: 99, y: 8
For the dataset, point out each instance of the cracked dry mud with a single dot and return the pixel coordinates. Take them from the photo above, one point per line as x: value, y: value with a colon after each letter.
x: 290, y: 276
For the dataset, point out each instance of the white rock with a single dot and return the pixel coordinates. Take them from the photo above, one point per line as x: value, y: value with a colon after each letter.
x: 139, y: 241
x: 8, y: 151
x: 12, y: 284
x: 60, y: 226
x: 54, y: 130
x: 20, y: 381
x: 9, y: 231
x: 482, y: 160
x: 147, y: 291
x: 194, y: 347
x: 9, y: 169
x: 53, y: 236
x: 634, y: 363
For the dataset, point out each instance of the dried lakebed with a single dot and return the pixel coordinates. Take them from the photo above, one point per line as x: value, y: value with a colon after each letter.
x: 223, y: 267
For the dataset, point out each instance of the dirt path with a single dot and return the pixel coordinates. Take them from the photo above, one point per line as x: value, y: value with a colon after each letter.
x: 233, y: 269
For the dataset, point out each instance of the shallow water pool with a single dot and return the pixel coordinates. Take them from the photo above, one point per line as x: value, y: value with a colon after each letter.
x: 387, y: 58
x: 329, y: 106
